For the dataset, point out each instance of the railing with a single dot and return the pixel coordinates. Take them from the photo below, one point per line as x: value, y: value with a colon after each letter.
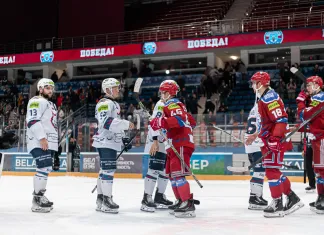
x: 180, y: 31
x: 205, y: 135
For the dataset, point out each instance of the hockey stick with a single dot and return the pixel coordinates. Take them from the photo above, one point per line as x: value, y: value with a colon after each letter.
x: 136, y: 95
x: 138, y: 127
x: 230, y: 168
x: 301, y: 76
x: 244, y: 169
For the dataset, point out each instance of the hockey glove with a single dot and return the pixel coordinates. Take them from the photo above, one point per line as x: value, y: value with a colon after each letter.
x: 274, y: 144
x: 302, y: 97
x: 158, y: 123
x: 56, y: 159
x: 127, y: 143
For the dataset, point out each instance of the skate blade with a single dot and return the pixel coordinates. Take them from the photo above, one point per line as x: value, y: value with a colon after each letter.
x: 296, y: 207
x: 162, y: 206
x: 188, y: 214
x: 147, y: 209
x: 313, y: 209
x: 42, y: 209
x: 171, y: 212
x: 277, y: 214
x: 310, y: 191
x: 320, y: 212
x: 108, y: 210
x: 256, y: 207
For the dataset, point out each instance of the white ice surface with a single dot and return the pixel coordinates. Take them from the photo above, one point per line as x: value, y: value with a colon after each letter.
x: 223, y: 210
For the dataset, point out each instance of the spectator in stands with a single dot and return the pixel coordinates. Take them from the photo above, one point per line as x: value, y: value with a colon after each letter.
x: 281, y: 87
x: 224, y: 91
x: 182, y: 84
x: 64, y: 77
x: 210, y: 118
x: 155, y: 97
x: 202, y: 88
x: 82, y: 97
x: 130, y: 110
x: 134, y: 71
x: 59, y: 100
x: 291, y: 115
x: 54, y: 77
x: 291, y: 89
x: 209, y: 86
x: 192, y: 104
x: 317, y: 71
x: 222, y: 108
x: 209, y: 106
x: 241, y: 68
x: 227, y: 73
x: 75, y: 102
x: 285, y: 73
x: 61, y: 113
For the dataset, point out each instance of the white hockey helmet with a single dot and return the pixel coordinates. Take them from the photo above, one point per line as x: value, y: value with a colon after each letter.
x: 43, y: 82
x: 109, y: 83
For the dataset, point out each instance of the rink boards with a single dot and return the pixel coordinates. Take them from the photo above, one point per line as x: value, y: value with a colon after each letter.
x: 211, y: 165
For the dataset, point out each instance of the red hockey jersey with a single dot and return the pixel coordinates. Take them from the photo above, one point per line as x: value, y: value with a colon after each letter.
x: 178, y: 124
x: 274, y: 119
x: 316, y: 126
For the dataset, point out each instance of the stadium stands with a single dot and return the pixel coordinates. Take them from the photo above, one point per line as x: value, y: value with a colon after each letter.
x: 280, y: 14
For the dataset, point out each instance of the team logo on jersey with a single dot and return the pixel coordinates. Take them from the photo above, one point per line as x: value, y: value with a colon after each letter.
x: 273, y: 105
x: 314, y: 103
x: 273, y: 37
x: 34, y: 105
x: 47, y: 57
x: 149, y: 48
x: 173, y: 106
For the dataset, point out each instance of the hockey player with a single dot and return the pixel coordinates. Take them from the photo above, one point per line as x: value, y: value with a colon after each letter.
x: 42, y: 140
x: 108, y: 140
x: 274, y: 127
x: 316, y: 129
x: 178, y: 124
x: 156, y: 172
x: 252, y: 148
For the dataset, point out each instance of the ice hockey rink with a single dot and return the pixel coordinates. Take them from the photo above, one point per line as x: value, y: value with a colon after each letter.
x: 223, y: 210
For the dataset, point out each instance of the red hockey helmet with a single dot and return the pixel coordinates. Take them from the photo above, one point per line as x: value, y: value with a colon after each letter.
x: 170, y: 86
x: 315, y: 79
x: 262, y: 77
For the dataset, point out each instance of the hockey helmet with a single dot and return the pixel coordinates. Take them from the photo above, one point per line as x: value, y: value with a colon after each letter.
x: 262, y: 77
x: 315, y: 79
x: 43, y: 82
x: 109, y: 83
x: 169, y: 86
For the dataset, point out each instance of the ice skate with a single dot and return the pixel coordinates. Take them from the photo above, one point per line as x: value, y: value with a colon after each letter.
x: 186, y: 209
x: 257, y: 203
x: 310, y: 189
x: 318, y: 205
x: 109, y: 206
x: 99, y: 202
x: 174, y: 206
x: 275, y: 209
x: 40, y: 203
x: 147, y: 203
x: 161, y: 201
x: 293, y: 203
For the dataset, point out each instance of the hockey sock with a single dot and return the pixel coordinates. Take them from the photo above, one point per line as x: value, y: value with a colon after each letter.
x: 162, y: 183
x: 99, y: 190
x: 274, y: 180
x: 320, y: 185
x: 285, y: 183
x: 150, y: 181
x: 107, y: 179
x: 174, y: 188
x: 40, y: 178
x: 256, y: 183
x: 183, y: 188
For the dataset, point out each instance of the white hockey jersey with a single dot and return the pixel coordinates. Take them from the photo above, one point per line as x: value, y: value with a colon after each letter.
x: 41, y: 121
x: 253, y: 126
x: 110, y: 127
x: 157, y: 112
